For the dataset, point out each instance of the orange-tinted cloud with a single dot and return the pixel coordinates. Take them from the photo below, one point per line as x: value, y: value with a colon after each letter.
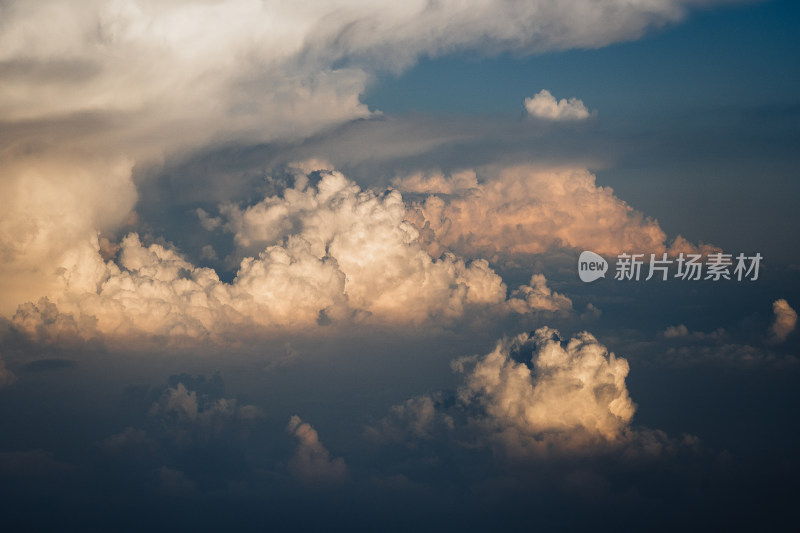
x: 784, y: 323
x: 311, y: 462
x: 328, y: 252
x: 525, y: 209
x: 535, y: 395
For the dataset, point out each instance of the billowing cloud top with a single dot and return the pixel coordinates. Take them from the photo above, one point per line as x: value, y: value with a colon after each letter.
x: 321, y: 251
x: 528, y: 209
x: 535, y: 395
x: 535, y: 390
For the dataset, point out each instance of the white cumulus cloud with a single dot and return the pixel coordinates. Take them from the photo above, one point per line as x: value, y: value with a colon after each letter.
x: 545, y: 106
x: 535, y: 395
x: 317, y: 253
x: 538, y: 296
x: 536, y: 391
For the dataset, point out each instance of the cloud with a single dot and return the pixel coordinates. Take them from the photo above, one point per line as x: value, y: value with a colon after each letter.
x: 175, y: 482
x: 188, y: 434
x: 49, y: 365
x: 311, y: 463
x: 680, y: 245
x: 122, y: 83
x: 186, y: 412
x: 295, y: 66
x: 56, y: 205
x: 720, y: 346
x: 538, y: 296
x: 130, y: 442
x: 728, y: 354
x: 437, y: 182
x: 676, y: 331
x: 188, y: 416
x: 682, y: 332
x: 416, y: 418
x: 544, y: 105
x: 744, y: 345
x: 7, y: 377
x: 785, y: 321
x: 537, y: 391
x: 534, y: 396
x: 322, y: 251
x: 31, y: 466
x: 525, y: 209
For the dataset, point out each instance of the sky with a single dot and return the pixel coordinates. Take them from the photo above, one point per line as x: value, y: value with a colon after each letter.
x: 439, y: 266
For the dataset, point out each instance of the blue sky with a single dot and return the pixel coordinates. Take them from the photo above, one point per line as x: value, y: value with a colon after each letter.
x: 713, y: 100
x: 739, y: 56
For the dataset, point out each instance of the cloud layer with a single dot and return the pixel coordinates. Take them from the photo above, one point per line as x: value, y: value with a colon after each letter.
x: 121, y: 82
x: 323, y: 251
x: 177, y: 65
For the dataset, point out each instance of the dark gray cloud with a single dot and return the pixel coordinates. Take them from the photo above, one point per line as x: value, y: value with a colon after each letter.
x: 47, y: 365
